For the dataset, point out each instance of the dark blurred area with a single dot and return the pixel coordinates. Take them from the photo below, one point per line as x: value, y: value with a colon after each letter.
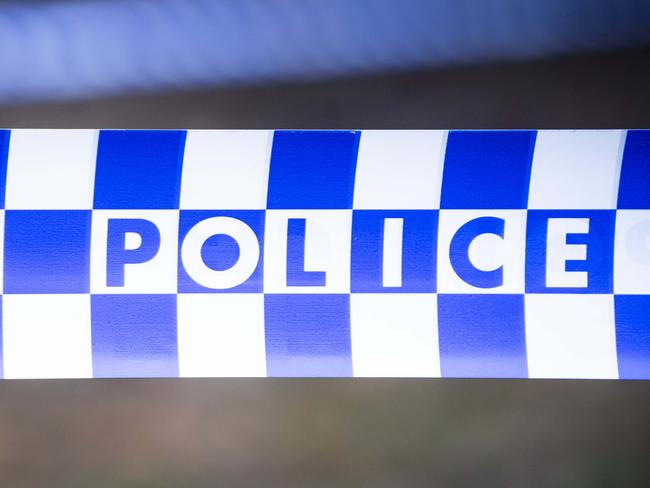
x: 337, y: 432
x: 607, y: 90
x: 317, y: 433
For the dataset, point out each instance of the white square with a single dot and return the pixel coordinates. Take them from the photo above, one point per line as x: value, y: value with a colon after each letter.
x: 632, y: 252
x: 394, y: 334
x: 51, y: 169
x: 399, y: 169
x: 47, y: 336
x: 221, y: 334
x: 576, y: 169
x: 327, y: 248
x: 570, y: 336
x: 487, y: 252
x: 226, y: 169
x: 157, y: 275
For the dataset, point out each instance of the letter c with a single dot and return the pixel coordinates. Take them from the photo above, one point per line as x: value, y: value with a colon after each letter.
x: 459, y: 252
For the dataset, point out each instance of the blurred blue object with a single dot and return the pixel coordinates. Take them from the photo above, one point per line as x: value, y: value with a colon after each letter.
x: 71, y: 49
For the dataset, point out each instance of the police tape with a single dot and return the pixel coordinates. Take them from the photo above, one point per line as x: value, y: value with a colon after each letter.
x: 513, y: 254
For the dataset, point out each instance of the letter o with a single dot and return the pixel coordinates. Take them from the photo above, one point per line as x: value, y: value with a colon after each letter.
x: 238, y: 273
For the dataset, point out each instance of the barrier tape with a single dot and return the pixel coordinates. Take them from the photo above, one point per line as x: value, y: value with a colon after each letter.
x: 514, y: 254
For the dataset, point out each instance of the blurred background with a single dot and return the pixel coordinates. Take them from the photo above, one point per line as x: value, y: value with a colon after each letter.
x: 325, y: 64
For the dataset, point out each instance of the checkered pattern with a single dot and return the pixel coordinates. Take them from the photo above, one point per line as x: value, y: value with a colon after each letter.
x: 343, y: 253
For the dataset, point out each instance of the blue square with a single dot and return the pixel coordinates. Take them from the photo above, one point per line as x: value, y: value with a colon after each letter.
x: 312, y: 169
x: 487, y: 169
x: 221, y: 252
x: 419, y: 237
x: 633, y: 336
x: 599, y: 242
x: 308, y: 335
x: 482, y: 336
x: 47, y: 251
x: 634, y: 186
x: 134, y: 336
x: 139, y: 169
x: 4, y: 154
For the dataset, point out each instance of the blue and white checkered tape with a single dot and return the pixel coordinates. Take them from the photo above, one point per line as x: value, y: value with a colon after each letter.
x: 514, y: 254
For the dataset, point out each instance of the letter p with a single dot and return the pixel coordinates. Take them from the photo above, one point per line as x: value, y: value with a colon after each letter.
x: 120, y: 249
